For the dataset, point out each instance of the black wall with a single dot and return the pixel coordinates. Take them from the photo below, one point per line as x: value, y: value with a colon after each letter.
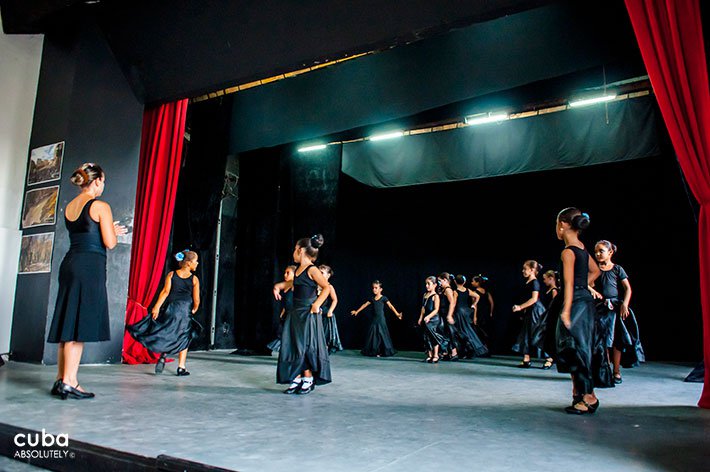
x: 83, y: 99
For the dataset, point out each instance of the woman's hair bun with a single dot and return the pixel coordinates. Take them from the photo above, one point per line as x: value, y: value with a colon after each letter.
x: 581, y: 221
x: 317, y: 241
x: 79, y: 177
x: 180, y: 256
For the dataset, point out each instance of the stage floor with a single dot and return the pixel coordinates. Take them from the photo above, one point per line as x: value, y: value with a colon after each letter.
x: 379, y: 414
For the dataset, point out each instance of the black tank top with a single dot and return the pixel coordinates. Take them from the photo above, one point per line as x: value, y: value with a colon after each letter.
x: 581, y: 267
x: 180, y: 289
x: 428, y: 304
x: 85, y: 233
x: 304, y: 287
x: 463, y: 300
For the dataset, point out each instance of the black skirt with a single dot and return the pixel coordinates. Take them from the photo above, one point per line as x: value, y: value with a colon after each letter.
x: 81, y: 310
x: 170, y: 333
x: 469, y: 344
x: 533, y: 329
x: 433, y: 335
x: 332, y: 337
x: 378, y: 341
x: 303, y: 345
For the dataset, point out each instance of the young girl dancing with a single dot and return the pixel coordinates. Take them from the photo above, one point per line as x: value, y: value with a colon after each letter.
x: 532, y: 331
x: 303, y: 358
x: 330, y: 324
x: 286, y: 305
x: 429, y: 320
x: 575, y: 327
x: 172, y: 332
x: 470, y: 345
x: 447, y: 303
x: 378, y: 342
x: 616, y: 320
x: 483, y: 309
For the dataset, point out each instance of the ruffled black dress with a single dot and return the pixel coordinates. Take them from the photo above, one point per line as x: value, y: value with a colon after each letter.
x: 303, y: 340
x: 81, y: 309
x: 173, y: 330
x: 484, y: 320
x: 470, y: 345
x: 330, y: 330
x: 533, y: 329
x: 431, y: 331
x: 449, y: 330
x: 378, y: 341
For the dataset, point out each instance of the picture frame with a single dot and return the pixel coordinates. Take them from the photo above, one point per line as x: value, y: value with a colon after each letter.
x: 36, y: 253
x: 40, y: 208
x: 45, y: 164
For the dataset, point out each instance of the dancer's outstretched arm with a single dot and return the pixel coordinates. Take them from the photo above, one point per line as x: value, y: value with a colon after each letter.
x: 362, y: 307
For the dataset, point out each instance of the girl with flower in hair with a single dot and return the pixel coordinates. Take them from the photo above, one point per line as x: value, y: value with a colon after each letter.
x: 171, y: 332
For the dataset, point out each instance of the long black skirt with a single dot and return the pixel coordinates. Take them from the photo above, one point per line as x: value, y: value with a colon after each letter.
x: 303, y: 345
x: 533, y: 329
x: 332, y: 337
x: 81, y: 310
x: 433, y: 336
x: 627, y: 339
x: 378, y: 341
x: 170, y: 333
x: 469, y: 344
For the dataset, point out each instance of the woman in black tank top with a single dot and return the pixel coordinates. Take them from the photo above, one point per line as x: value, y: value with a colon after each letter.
x: 81, y: 310
x: 575, y: 327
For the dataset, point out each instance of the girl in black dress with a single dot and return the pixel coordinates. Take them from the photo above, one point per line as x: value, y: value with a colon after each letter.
x: 303, y: 358
x: 549, y: 278
x: 81, y: 310
x: 531, y: 333
x: 330, y: 324
x: 447, y: 304
x: 483, y: 309
x: 576, y: 324
x: 172, y: 332
x: 286, y: 305
x: 378, y: 342
x: 429, y: 320
x: 616, y: 320
x: 470, y: 345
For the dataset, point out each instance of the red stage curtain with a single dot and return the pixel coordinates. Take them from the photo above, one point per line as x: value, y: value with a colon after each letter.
x: 160, y: 159
x: 670, y: 36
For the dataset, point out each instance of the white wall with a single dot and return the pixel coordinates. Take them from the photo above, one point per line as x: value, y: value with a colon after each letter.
x: 20, y: 57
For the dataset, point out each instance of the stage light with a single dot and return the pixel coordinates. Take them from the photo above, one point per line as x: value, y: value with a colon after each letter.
x: 391, y: 135
x: 316, y: 147
x: 482, y: 118
x: 591, y: 101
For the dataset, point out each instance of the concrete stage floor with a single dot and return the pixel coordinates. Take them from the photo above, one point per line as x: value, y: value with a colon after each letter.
x: 388, y: 414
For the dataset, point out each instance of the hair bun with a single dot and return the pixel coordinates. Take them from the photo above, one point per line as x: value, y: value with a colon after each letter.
x: 581, y: 221
x: 317, y: 241
x: 79, y: 177
x: 180, y: 256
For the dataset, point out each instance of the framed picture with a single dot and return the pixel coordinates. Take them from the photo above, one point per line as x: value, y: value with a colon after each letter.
x: 46, y: 163
x: 36, y: 253
x: 40, y: 207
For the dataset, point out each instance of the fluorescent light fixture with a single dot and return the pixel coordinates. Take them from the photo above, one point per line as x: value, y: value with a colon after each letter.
x: 592, y: 101
x: 380, y: 137
x: 316, y: 147
x: 482, y: 118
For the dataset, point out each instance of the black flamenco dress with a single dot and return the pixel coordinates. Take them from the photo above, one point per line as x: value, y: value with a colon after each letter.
x: 173, y: 330
x: 484, y: 319
x: 431, y: 331
x: 303, y: 340
x: 615, y: 332
x: 470, y: 345
x: 286, y: 306
x: 578, y: 353
x: 449, y: 330
x: 532, y: 332
x: 378, y: 341
x: 330, y: 329
x: 81, y: 309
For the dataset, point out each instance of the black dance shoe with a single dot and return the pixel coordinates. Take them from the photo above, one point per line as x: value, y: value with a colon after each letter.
x: 292, y: 390
x: 67, y: 391
x: 547, y: 365
x: 454, y: 358
x: 307, y: 390
x: 181, y: 372
x: 617, y: 379
x: 524, y: 364
x: 56, y: 387
x: 591, y: 408
x: 160, y: 365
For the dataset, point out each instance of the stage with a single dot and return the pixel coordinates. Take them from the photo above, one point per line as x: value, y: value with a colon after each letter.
x: 379, y: 414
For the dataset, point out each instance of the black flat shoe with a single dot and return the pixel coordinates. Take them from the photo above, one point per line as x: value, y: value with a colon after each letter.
x: 524, y: 365
x: 547, y: 365
x: 307, y: 390
x: 55, y: 388
x: 67, y: 391
x: 292, y: 390
x: 617, y: 379
x: 160, y: 365
x: 182, y: 372
x: 454, y: 358
x: 591, y: 409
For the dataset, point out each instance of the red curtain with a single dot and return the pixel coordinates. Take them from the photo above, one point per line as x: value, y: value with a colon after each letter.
x: 670, y: 36
x: 160, y: 159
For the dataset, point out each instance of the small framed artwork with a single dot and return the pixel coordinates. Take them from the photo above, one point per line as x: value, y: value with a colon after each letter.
x: 40, y: 207
x: 36, y: 253
x: 45, y: 164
